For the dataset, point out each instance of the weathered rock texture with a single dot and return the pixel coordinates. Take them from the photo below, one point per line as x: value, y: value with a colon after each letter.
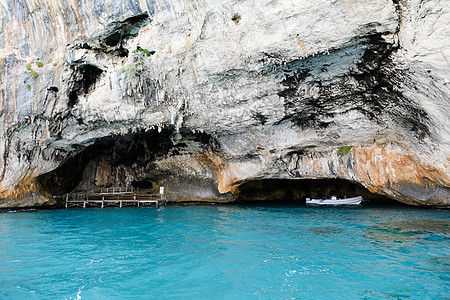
x: 204, y: 97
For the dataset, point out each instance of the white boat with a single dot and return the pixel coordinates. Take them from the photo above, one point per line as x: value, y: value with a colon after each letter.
x: 335, y: 201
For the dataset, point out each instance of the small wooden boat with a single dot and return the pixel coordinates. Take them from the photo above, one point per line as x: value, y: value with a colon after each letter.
x: 335, y: 201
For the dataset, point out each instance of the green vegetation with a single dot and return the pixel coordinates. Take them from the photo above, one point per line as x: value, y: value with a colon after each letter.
x: 138, y: 73
x: 344, y: 150
x: 55, y: 64
x: 144, y: 51
x: 34, y: 74
x: 28, y: 87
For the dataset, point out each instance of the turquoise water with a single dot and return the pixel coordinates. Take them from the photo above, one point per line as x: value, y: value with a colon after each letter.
x: 223, y: 252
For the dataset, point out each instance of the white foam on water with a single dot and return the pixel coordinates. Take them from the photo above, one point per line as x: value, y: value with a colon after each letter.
x: 78, y: 297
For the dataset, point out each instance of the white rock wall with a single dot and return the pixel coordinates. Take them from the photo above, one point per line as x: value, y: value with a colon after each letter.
x: 263, y: 78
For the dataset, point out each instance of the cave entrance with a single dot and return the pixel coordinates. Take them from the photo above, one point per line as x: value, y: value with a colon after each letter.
x: 113, y: 161
x: 295, y: 191
x: 129, y: 160
x: 142, y: 184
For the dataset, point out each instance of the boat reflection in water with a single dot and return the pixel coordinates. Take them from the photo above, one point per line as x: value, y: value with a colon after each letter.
x: 335, y: 201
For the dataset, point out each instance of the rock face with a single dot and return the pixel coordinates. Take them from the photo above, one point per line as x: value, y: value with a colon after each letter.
x: 207, y: 97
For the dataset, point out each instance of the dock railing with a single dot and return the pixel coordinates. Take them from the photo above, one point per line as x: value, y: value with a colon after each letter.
x: 114, y: 196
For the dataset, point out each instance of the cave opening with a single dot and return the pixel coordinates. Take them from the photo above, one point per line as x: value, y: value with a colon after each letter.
x: 118, y: 33
x: 295, y: 191
x: 119, y: 161
x: 142, y: 184
x: 86, y: 75
x: 108, y: 162
x: 90, y: 74
x: 113, y: 39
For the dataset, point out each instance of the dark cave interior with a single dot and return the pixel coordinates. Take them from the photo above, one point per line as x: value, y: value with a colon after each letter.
x: 133, y: 149
x: 139, y: 147
x: 297, y: 190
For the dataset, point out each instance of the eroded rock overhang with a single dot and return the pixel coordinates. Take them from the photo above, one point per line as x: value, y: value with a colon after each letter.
x: 283, y: 91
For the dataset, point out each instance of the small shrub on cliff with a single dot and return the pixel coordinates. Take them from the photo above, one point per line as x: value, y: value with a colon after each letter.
x: 139, y: 76
x: 137, y: 70
x: 28, y: 67
x: 34, y: 74
x: 344, y: 150
x: 55, y: 64
x: 144, y: 51
x: 28, y: 87
x: 39, y: 64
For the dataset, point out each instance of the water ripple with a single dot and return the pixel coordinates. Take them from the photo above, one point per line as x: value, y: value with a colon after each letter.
x: 204, y: 252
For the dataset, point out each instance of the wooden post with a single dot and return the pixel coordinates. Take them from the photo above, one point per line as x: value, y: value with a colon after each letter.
x: 102, y: 203
x: 84, y: 204
x: 138, y: 204
x: 66, y: 204
x: 120, y: 203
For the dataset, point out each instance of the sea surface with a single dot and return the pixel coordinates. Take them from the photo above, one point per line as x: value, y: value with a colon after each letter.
x: 226, y: 252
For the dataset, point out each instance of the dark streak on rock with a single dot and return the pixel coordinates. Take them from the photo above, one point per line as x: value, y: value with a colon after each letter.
x: 84, y: 77
x: 262, y: 119
x: 375, y: 94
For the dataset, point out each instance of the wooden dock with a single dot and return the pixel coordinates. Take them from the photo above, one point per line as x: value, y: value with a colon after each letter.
x: 118, y: 197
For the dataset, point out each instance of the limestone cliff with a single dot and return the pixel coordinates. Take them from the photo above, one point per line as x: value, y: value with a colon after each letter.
x: 205, y: 97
